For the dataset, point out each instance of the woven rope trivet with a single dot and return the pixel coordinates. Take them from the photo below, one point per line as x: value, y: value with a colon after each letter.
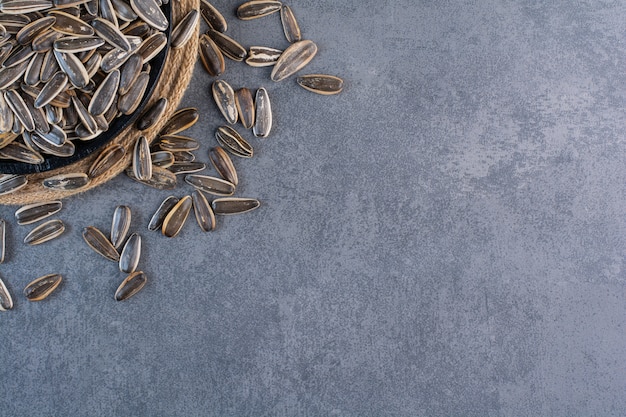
x: 171, y: 84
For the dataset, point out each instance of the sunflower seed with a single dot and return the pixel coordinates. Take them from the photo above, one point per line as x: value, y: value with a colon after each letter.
x: 210, y: 185
x: 105, y: 9
x: 54, y: 114
x: 18, y: 55
x: 149, y: 12
x: 124, y: 11
x: 224, y: 97
x: 6, y: 116
x: 92, y: 65
x: 263, y: 108
x: 17, y: 104
x: 10, y: 75
x: 3, y: 227
x: 129, y: 102
x: 45, y: 40
x: 245, y: 107
x: 163, y: 159
x: 230, y: 47
x: 51, y: 89
x: 6, y: 302
x: 212, y: 16
x: 49, y: 67
x: 92, y: 7
x: 110, y: 33
x: 70, y: 25
x: 230, y: 139
x: 7, y: 138
x: 175, y: 219
x: 321, y: 84
x: 203, y: 211
x: 84, y: 115
x: 33, y: 71
x: 24, y: 6
x: 45, y: 232
x: 159, y: 215
x: 211, y: 56
x: 56, y: 136
x: 105, y: 94
x: 66, y: 182
x: 152, y: 45
x: 129, y: 258
x: 290, y: 25
x: 183, y: 156
x: 161, y: 178
x: 74, y: 45
x: 106, y: 160
x: 129, y: 73
x: 32, y: 213
x: 181, y: 120
x: 293, y: 59
x: 257, y: 8
x: 114, y: 59
x: 223, y: 165
x: 39, y: 115
x: 137, y: 28
x: 224, y: 206
x: 42, y: 287
x: 152, y: 115
x: 34, y: 28
x: 185, y: 29
x: 175, y: 143
x: 18, y: 152
x: 131, y: 285
x: 186, y: 167
x: 120, y: 225
x: 142, y: 163
x: 74, y: 69
x: 100, y: 244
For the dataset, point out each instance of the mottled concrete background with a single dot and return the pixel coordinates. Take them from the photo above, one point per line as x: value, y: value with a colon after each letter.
x: 446, y: 237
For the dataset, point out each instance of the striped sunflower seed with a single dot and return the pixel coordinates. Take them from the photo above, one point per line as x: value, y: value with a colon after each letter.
x: 6, y: 302
x: 223, y: 165
x: 131, y: 285
x: 21, y: 153
x: 224, y: 97
x: 129, y: 258
x: 161, y: 178
x: 257, y: 8
x: 142, y: 163
x: 106, y: 160
x: 129, y: 73
x: 32, y: 213
x: 105, y: 94
x: 42, y: 287
x: 150, y: 12
x: 31, y: 30
x: 163, y: 159
x: 75, y: 44
x: 211, y: 185
x: 156, y: 221
x: 8, y: 76
x: 183, y: 156
x: 100, y: 244
x: 233, y: 142
x: 203, y: 211
x: 152, y: 115
x: 212, y: 16
x: 20, y: 110
x: 120, y: 225
x: 181, y: 120
x: 229, y: 47
x: 210, y: 56
x: 263, y: 110
x: 129, y: 102
x: 45, y: 232
x: 70, y: 25
x: 152, y: 45
x: 66, y: 182
x: 245, y: 107
x: 293, y: 59
x: 186, y: 167
x: 225, y: 206
x: 321, y: 83
x: 175, y: 143
x: 290, y: 24
x: 51, y: 89
x: 185, y: 29
x: 175, y: 219
x: 33, y: 71
x: 74, y: 69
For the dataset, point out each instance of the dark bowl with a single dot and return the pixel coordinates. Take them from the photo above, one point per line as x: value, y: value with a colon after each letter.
x: 86, y: 148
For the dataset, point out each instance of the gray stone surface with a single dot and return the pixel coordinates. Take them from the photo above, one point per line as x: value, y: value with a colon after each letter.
x: 446, y: 237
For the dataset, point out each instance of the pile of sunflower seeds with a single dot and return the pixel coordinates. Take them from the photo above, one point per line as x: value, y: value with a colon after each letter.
x: 171, y: 154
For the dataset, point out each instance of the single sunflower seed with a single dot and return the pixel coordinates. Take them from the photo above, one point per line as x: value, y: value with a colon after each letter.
x: 100, y: 244
x: 32, y: 213
x: 233, y: 142
x: 156, y: 221
x: 211, y: 185
x: 321, y: 83
x: 203, y: 211
x: 120, y: 225
x: 257, y: 8
x: 226, y: 206
x: 131, y: 285
x: 45, y: 232
x: 42, y: 287
x: 129, y: 258
x: 175, y: 219
x: 224, y: 97
x: 293, y: 59
x: 263, y: 110
x: 223, y: 165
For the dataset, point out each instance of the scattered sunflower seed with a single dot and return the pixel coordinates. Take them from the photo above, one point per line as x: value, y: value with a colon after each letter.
x: 203, y: 211
x: 6, y: 302
x: 42, y: 287
x: 293, y: 59
x: 120, y: 225
x: 100, y: 244
x: 45, y: 232
x: 32, y: 213
x: 129, y: 258
x: 321, y: 84
x: 131, y: 285
x: 175, y: 219
x: 257, y: 8
x: 156, y: 221
x: 225, y: 206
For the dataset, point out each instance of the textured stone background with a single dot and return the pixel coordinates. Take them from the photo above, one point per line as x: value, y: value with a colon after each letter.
x: 446, y: 237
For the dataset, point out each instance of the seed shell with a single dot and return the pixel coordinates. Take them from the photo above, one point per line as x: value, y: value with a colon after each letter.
x: 293, y: 59
x: 11, y: 183
x: 10, y: 75
x: 211, y: 56
x: 3, y: 230
x: 152, y: 45
x: 32, y: 213
x: 163, y: 159
x: 263, y: 108
x: 185, y: 29
x: 70, y: 25
x: 224, y: 97
x: 75, y: 45
x: 129, y: 102
x: 21, y: 112
x: 290, y: 24
x: 211, y: 185
x: 233, y: 142
x: 130, y: 71
x: 223, y: 165
x: 203, y: 211
x: 6, y: 302
x: 226, y: 206
x: 105, y: 94
x: 159, y: 215
x: 18, y: 152
x: 152, y: 115
x: 131, y: 285
x: 45, y: 232
x: 245, y: 107
x: 161, y: 178
x: 120, y: 225
x: 74, y: 69
x: 42, y: 287
x: 175, y: 219
x: 212, y: 16
x: 106, y: 160
x: 142, y: 163
x: 181, y: 120
x: 129, y: 258
x: 186, y: 167
x: 257, y: 8
x: 51, y: 89
x: 100, y: 244
x: 66, y: 182
x: 230, y: 47
x: 150, y: 12
x: 321, y: 83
